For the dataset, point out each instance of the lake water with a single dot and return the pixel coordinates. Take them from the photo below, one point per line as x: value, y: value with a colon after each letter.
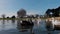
x: 14, y: 27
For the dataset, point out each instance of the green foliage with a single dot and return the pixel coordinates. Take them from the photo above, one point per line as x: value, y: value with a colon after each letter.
x: 55, y: 12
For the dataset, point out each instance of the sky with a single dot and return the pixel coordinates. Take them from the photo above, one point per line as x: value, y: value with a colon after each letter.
x: 10, y: 7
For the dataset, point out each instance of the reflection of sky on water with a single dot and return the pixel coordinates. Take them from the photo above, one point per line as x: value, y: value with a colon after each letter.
x: 11, y: 27
x: 4, y: 25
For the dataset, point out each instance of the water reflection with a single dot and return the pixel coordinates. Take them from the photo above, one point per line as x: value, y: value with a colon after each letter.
x: 15, y: 27
x: 3, y: 24
x: 49, y: 26
x: 24, y: 28
x: 13, y: 21
x: 7, y: 21
x: 3, y: 21
x: 49, y: 32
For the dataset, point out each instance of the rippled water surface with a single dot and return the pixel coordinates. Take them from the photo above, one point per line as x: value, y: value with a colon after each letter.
x: 14, y: 27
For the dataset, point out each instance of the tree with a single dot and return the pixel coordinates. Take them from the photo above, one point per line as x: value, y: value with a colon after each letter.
x: 7, y: 17
x: 21, y: 13
x: 53, y: 12
x: 3, y: 15
x: 13, y: 16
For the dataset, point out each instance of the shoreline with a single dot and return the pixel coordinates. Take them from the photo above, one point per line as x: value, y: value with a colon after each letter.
x: 18, y: 18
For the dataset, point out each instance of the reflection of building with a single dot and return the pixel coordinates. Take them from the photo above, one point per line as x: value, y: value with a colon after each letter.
x: 21, y: 13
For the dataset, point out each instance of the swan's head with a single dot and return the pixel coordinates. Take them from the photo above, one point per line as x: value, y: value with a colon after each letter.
x: 52, y: 19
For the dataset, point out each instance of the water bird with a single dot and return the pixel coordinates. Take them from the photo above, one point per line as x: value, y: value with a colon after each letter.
x: 23, y: 26
x: 27, y: 23
x: 56, y: 24
x: 53, y: 24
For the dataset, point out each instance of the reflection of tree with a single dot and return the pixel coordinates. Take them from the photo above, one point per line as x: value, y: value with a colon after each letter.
x: 3, y: 24
x: 3, y: 21
x: 49, y: 32
x: 23, y: 28
x: 13, y: 21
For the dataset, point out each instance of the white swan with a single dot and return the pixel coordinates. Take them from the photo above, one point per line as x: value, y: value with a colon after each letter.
x: 55, y: 22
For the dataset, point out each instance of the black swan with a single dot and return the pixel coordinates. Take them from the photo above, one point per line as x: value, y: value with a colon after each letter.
x: 27, y: 23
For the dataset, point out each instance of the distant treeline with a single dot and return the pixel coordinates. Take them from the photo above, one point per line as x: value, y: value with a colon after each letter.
x: 53, y: 12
